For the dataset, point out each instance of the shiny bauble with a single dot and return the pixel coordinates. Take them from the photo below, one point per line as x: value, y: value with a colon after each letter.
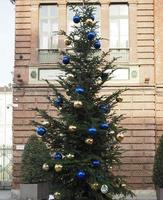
x: 104, y: 126
x: 58, y: 168
x: 104, y: 108
x: 120, y: 137
x: 40, y: 130
x: 81, y: 174
x: 58, y: 156
x: 92, y: 131
x: 70, y: 156
x: 72, y: 129
x: 96, y: 163
x: 57, y: 195
x: 89, y: 141
x: 91, y: 35
x: 118, y: 99
x: 45, y: 167
x: 76, y: 19
x: 94, y: 186
x: 58, y: 101
x: 123, y: 185
x: 69, y: 77
x: 97, y: 44
x: 45, y: 123
x: 66, y: 60
x: 67, y: 42
x: 89, y: 22
x: 92, y: 17
x: 104, y: 189
x: 78, y: 104
x: 79, y: 90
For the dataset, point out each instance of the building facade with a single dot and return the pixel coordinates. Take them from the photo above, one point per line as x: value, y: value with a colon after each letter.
x: 133, y: 31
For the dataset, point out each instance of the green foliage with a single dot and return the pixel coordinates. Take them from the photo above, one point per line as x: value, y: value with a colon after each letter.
x: 89, y: 68
x: 35, y: 154
x: 158, y: 165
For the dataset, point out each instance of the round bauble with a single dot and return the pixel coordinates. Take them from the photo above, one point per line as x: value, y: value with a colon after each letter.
x: 76, y: 19
x: 92, y: 131
x: 45, y: 123
x: 89, y: 22
x: 123, y: 185
x: 89, y: 141
x: 69, y: 77
x: 97, y: 44
x: 58, y: 156
x: 58, y: 101
x: 104, y: 189
x: 57, y: 195
x: 91, y: 35
x: 40, y: 130
x: 118, y: 99
x: 94, y: 186
x: 67, y: 42
x: 45, y: 167
x: 72, y: 129
x: 66, y: 60
x: 78, y: 104
x: 58, y: 168
x: 96, y: 163
x: 81, y: 174
x: 104, y: 108
x: 104, y: 126
x: 120, y: 137
x: 79, y: 90
x: 70, y: 156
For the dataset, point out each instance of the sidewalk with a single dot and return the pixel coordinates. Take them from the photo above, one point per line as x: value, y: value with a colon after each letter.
x: 140, y: 195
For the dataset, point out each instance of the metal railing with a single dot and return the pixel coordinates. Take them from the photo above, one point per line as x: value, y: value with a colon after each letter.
x: 48, y: 56
x: 121, y: 53
x: 5, y: 167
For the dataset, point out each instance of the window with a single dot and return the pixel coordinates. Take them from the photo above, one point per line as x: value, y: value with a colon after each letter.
x: 48, y: 32
x: 119, y: 31
x: 71, y: 13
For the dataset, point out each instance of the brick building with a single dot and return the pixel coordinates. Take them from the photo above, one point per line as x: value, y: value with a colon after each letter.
x: 135, y: 30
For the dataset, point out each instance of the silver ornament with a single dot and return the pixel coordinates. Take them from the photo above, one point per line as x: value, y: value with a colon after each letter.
x: 104, y: 189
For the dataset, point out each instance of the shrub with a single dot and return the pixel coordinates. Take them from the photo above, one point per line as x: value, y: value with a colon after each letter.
x: 34, y: 156
x: 158, y: 165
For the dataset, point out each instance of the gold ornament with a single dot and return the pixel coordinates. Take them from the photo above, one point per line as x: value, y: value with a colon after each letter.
x: 78, y: 104
x: 69, y: 77
x: 120, y: 137
x: 45, y: 123
x: 118, y: 99
x: 72, y: 128
x: 70, y: 156
x: 94, y: 186
x: 89, y: 141
x: 57, y: 195
x: 58, y: 167
x: 45, y: 167
x: 89, y: 22
x: 67, y: 42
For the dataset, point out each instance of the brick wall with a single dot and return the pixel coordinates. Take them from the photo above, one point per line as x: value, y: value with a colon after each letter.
x: 142, y: 105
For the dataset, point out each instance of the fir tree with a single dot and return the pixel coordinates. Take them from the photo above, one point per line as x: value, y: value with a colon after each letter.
x: 84, y: 137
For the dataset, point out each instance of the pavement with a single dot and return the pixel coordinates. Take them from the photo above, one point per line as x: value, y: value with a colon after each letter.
x: 140, y: 195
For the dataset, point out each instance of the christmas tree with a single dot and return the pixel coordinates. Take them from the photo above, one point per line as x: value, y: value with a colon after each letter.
x: 84, y: 138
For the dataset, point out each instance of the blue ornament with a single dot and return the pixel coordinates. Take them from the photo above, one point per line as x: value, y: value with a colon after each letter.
x: 40, y: 130
x: 92, y: 17
x: 97, y: 44
x: 92, y: 131
x: 104, y: 126
x: 66, y: 60
x: 79, y: 90
x: 58, y: 156
x: 91, y: 35
x: 95, y: 163
x: 81, y: 174
x: 104, y: 108
x: 58, y: 101
x: 76, y: 19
